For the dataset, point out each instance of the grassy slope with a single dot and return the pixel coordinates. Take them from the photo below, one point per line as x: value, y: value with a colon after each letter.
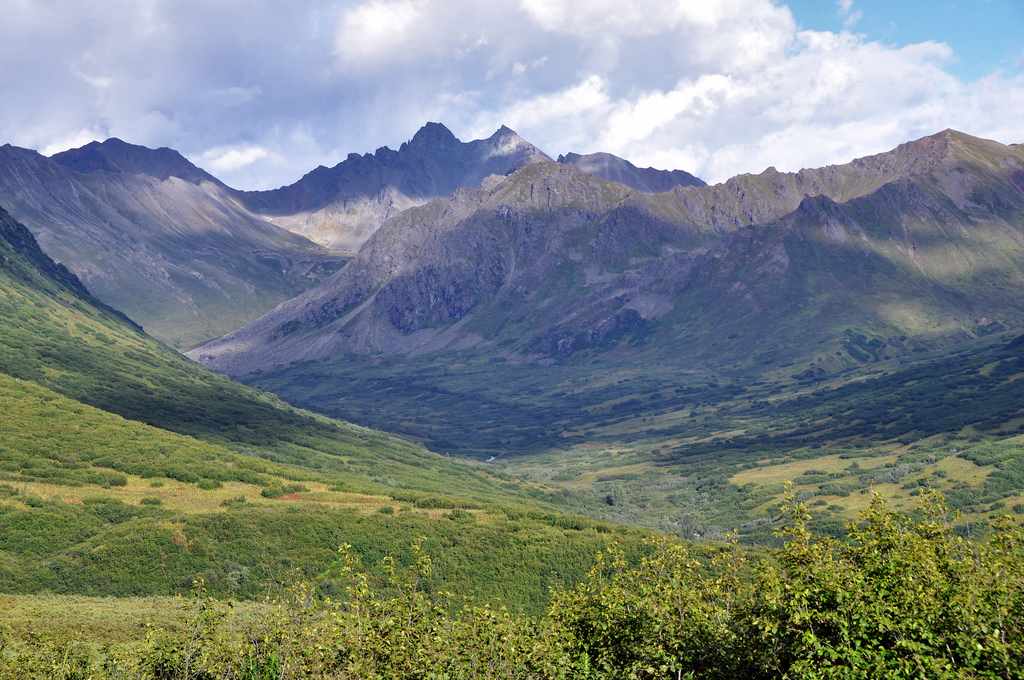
x: 126, y: 469
x: 53, y: 337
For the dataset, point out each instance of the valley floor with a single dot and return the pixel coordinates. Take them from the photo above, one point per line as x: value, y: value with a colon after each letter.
x: 700, y: 456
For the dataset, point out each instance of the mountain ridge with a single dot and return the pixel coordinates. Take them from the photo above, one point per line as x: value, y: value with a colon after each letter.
x: 615, y: 169
x: 341, y: 206
x: 117, y: 156
x: 444, y: 274
x: 178, y: 255
x: 191, y: 258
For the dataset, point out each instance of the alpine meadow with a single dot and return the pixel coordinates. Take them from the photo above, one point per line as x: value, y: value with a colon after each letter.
x: 690, y: 344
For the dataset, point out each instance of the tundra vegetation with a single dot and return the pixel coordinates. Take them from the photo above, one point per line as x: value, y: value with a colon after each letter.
x: 899, y: 597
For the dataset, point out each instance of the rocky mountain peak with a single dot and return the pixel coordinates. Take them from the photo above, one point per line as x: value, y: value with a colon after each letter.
x: 340, y: 207
x: 433, y: 136
x: 506, y: 142
x: 504, y: 133
x: 817, y: 211
x: 949, y: 146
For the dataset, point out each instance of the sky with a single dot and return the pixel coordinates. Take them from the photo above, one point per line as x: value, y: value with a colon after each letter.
x: 261, y: 92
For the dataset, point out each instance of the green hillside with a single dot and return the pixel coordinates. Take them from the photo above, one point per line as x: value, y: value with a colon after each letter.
x: 126, y: 469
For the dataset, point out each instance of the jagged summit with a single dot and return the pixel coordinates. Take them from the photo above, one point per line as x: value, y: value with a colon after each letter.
x: 504, y: 134
x: 433, y: 135
x: 341, y: 206
x: 117, y: 156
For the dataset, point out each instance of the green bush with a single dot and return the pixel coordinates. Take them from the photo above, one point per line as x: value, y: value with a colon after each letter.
x: 898, y: 598
x: 278, y: 490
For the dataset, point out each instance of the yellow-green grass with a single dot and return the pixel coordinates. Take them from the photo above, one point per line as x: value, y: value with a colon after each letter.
x: 100, y: 620
x: 778, y: 473
x: 856, y: 503
x: 191, y: 500
x: 953, y: 471
x: 959, y: 469
x: 586, y: 479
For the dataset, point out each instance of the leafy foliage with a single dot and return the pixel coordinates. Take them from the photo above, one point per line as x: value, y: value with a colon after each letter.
x: 899, y: 598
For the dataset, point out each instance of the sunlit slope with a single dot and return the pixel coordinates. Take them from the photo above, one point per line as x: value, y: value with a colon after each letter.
x: 127, y: 469
x: 54, y: 334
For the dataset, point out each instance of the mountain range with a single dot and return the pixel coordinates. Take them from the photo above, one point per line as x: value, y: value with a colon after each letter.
x: 190, y: 258
x: 908, y: 249
x: 633, y: 336
x: 340, y: 207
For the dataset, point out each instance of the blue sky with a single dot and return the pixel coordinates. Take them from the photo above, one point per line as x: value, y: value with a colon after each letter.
x: 259, y: 92
x: 986, y: 35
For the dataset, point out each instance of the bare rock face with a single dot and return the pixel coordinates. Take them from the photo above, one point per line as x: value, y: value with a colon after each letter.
x: 341, y: 207
x: 158, y: 238
x: 615, y: 169
x: 553, y: 263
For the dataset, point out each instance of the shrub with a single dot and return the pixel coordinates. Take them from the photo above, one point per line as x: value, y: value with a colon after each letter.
x: 278, y: 490
x: 898, y: 598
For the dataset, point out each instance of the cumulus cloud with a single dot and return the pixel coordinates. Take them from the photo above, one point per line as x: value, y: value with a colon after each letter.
x: 260, y: 92
x: 230, y: 159
x: 377, y: 30
x: 72, y: 141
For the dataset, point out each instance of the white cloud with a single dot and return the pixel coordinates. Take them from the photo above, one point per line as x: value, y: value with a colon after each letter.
x: 585, y: 17
x: 715, y: 87
x: 99, y: 82
x: 229, y: 159
x: 830, y: 98
x: 588, y: 95
x: 73, y: 141
x: 377, y: 29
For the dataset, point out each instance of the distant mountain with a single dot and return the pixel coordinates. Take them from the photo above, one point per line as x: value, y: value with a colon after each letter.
x: 342, y: 206
x: 897, y: 252
x: 118, y: 157
x: 615, y: 169
x: 158, y: 238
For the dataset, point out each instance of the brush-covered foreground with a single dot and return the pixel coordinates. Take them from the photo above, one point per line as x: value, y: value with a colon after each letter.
x: 900, y: 597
